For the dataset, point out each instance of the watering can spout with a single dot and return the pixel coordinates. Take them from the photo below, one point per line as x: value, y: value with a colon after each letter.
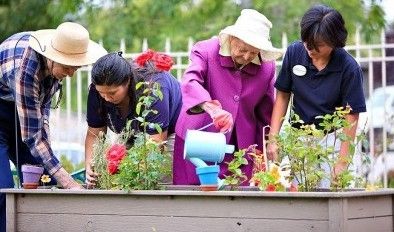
x: 198, y: 162
x: 229, y: 148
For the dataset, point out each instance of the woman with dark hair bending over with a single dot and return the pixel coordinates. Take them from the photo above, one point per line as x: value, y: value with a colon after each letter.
x: 112, y: 102
x: 321, y: 75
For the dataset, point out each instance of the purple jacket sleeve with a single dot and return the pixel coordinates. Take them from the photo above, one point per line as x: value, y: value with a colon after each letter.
x: 194, y: 79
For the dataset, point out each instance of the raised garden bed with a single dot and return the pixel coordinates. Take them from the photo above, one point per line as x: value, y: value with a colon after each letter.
x: 189, y: 210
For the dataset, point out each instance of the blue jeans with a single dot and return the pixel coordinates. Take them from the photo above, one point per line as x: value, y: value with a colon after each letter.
x: 8, y: 143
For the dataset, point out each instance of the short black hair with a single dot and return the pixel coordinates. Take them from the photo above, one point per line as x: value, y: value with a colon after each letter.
x: 323, y: 23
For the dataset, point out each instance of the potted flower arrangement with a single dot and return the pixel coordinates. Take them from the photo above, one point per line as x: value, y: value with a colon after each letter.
x: 143, y: 165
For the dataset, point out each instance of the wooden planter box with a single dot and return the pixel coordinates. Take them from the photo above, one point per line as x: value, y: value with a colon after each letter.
x: 187, y: 210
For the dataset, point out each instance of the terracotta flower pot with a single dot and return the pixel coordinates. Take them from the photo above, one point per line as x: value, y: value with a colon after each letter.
x: 31, y: 175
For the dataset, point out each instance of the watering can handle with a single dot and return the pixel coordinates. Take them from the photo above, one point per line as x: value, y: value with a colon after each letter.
x: 205, y: 127
x: 210, y: 124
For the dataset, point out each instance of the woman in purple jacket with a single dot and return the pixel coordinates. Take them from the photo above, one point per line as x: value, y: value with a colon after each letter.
x: 230, y: 83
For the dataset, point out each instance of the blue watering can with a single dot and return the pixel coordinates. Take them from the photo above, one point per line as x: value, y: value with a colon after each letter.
x: 201, y: 147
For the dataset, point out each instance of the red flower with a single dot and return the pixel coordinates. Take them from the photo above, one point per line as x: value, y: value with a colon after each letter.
x: 162, y: 61
x: 114, y: 156
x: 144, y: 57
x: 270, y: 188
x: 116, y: 152
x: 112, y: 167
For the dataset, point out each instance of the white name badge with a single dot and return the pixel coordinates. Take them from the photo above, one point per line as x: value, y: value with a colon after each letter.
x: 299, y: 70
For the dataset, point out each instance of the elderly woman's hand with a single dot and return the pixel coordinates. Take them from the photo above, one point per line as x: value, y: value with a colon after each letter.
x: 223, y: 120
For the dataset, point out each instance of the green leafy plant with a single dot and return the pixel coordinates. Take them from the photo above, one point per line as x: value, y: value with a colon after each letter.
x: 269, y: 176
x: 145, y: 162
x: 99, y: 163
x: 237, y: 177
x: 308, y: 149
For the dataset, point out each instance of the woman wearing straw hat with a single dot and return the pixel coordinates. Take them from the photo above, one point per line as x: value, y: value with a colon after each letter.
x: 33, y: 64
x: 230, y: 83
x: 321, y: 76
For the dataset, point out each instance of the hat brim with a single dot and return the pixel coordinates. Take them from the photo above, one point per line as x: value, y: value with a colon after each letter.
x: 267, y: 51
x: 40, y: 41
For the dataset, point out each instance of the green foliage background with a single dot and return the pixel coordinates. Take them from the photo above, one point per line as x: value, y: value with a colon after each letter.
x: 133, y: 20
x: 109, y: 21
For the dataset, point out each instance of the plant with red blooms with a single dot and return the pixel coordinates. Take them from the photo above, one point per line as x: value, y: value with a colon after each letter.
x: 276, y: 178
x: 161, y: 61
x: 145, y: 164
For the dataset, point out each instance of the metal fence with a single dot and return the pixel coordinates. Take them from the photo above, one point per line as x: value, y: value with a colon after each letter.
x: 68, y: 123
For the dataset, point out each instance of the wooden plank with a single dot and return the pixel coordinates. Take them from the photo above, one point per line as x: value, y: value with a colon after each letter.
x: 11, y: 212
x: 258, y: 194
x: 98, y: 223
x: 361, y: 207
x: 197, y: 206
x: 376, y: 224
x: 337, y: 208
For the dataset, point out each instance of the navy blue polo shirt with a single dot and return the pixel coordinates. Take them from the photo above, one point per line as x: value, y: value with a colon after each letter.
x: 317, y: 93
x: 101, y: 113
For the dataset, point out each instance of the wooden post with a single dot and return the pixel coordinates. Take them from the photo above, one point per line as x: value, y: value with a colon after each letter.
x: 337, y: 214
x: 11, y: 212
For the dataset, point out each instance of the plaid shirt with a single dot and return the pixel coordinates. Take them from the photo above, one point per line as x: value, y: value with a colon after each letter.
x: 23, y: 81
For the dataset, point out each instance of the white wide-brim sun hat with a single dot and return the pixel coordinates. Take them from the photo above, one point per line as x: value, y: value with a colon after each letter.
x: 68, y: 44
x: 254, y: 29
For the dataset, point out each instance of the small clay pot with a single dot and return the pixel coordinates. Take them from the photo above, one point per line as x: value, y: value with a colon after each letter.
x: 30, y: 185
x: 209, y: 187
x: 31, y: 173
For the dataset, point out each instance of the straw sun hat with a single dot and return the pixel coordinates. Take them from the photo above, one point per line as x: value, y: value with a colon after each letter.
x: 254, y: 29
x: 68, y: 44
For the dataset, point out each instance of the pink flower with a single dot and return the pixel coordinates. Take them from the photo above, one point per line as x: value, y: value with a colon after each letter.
x: 293, y: 188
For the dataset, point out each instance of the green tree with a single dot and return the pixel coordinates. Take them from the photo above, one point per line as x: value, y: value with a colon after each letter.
x: 30, y: 15
x: 286, y: 17
x: 134, y: 20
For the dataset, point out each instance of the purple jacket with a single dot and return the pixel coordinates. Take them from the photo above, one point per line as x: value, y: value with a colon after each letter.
x: 248, y: 94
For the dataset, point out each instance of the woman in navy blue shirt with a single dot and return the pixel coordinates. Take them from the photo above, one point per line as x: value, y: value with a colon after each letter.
x: 112, y: 101
x: 321, y: 75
